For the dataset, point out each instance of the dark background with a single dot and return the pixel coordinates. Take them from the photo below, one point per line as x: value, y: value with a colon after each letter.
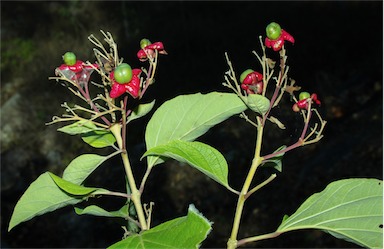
x: 338, y: 54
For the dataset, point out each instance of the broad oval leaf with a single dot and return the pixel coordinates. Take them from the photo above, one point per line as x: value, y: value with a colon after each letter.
x: 42, y: 196
x: 257, y: 103
x: 72, y: 188
x: 350, y: 209
x: 99, y: 138
x: 78, y: 127
x: 140, y: 111
x: 184, y: 232
x: 186, y: 117
x: 81, y: 167
x: 199, y: 155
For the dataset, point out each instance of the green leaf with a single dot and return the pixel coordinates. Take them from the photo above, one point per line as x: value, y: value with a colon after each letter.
x: 74, y: 189
x: 276, y: 161
x: 98, y: 211
x: 199, y: 155
x: 78, y: 127
x: 184, y: 232
x: 350, y: 209
x: 140, y: 111
x: 99, y: 138
x: 81, y: 167
x: 42, y: 196
x: 186, y: 117
x: 257, y: 103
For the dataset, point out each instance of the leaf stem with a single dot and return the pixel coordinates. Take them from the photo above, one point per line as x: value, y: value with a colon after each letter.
x: 257, y: 238
x: 271, y: 178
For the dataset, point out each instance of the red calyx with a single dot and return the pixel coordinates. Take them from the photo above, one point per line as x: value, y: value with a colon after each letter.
x: 149, y: 50
x: 253, y: 83
x: 304, y: 103
x: 277, y: 44
x: 132, y: 87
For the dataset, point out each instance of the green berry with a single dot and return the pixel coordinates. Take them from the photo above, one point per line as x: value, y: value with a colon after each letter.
x: 144, y: 43
x: 123, y: 73
x: 69, y: 58
x: 304, y: 95
x: 273, y: 31
x: 244, y: 74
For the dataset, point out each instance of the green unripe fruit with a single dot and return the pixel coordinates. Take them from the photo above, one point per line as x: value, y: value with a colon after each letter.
x: 244, y: 74
x: 123, y: 73
x: 273, y: 31
x: 304, y: 95
x: 69, y: 58
x: 144, y: 43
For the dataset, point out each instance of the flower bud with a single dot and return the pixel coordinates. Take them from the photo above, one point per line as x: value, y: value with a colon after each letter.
x: 144, y: 42
x: 69, y: 58
x: 273, y: 31
x: 245, y: 74
x: 304, y: 95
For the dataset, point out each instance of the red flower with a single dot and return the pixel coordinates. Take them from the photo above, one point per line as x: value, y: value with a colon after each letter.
x: 149, y: 50
x: 278, y: 43
x: 304, y: 103
x: 253, y: 83
x: 79, y: 72
x: 132, y: 87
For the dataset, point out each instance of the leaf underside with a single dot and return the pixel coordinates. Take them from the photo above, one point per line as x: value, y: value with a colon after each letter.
x: 350, y: 209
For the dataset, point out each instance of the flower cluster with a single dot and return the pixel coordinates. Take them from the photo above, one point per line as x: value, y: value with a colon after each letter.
x: 75, y: 70
x: 132, y: 87
x: 305, y: 99
x: 252, y: 82
x: 276, y: 37
x: 122, y: 78
x: 148, y: 49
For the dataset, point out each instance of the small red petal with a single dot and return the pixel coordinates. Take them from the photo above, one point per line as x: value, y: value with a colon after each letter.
x: 77, y: 67
x: 117, y: 90
x: 141, y: 55
x: 286, y: 36
x: 302, y: 104
x: 155, y: 46
x: 133, y: 87
x: 136, y: 71
x: 249, y: 79
x: 258, y: 76
x: 277, y: 44
x: 315, y: 99
x: 268, y: 42
x: 244, y: 86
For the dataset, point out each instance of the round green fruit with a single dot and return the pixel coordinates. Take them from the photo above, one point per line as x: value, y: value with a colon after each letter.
x: 304, y: 95
x: 123, y: 73
x: 144, y: 42
x: 244, y: 74
x: 273, y: 31
x: 69, y: 58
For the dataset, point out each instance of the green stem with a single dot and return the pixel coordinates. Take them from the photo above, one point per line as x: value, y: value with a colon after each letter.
x: 135, y: 193
x: 259, y: 237
x: 232, y: 242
